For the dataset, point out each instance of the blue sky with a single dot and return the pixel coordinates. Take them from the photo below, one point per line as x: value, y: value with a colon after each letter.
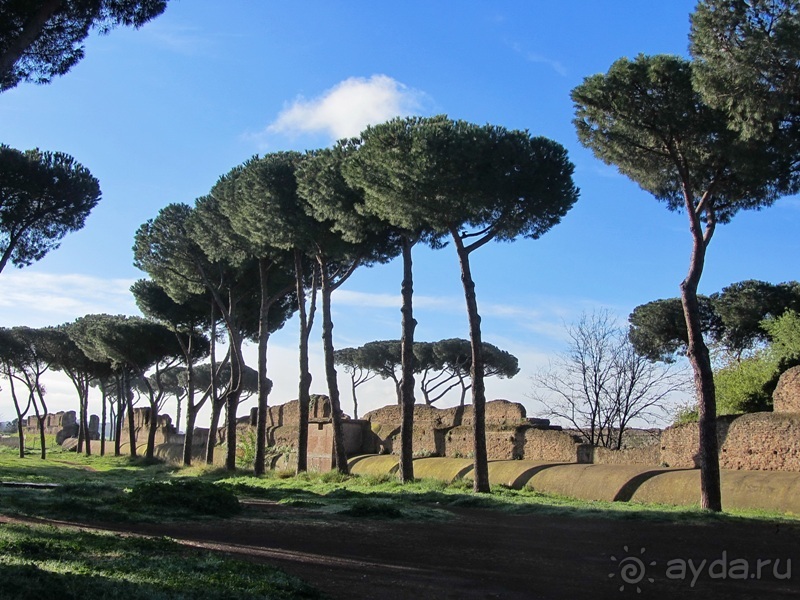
x: 158, y: 114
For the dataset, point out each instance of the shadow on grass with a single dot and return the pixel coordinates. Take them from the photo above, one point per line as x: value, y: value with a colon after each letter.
x: 147, y: 501
x: 390, y: 496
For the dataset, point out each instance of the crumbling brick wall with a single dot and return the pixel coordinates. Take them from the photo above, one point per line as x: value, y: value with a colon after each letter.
x: 786, y: 397
x: 757, y: 441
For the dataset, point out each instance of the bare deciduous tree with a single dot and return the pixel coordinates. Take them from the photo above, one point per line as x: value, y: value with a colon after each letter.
x: 600, y: 383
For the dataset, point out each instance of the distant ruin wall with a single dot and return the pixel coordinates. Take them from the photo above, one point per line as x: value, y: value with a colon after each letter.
x: 165, y: 430
x: 498, y: 413
x: 554, y: 446
x: 448, y: 432
x: 644, y: 455
x: 63, y: 425
x: 757, y: 441
x: 289, y: 413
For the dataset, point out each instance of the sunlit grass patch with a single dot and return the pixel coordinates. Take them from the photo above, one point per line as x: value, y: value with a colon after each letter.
x: 35, y: 562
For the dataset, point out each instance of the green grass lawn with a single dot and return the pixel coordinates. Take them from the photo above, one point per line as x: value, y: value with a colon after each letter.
x: 34, y: 560
x: 46, y: 562
x: 99, y: 488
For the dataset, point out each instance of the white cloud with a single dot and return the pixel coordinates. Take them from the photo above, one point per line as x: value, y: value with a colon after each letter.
x: 347, y: 108
x: 185, y: 40
x: 38, y: 299
x: 533, y: 57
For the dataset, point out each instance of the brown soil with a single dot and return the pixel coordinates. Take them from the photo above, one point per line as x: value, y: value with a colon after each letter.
x: 489, y: 554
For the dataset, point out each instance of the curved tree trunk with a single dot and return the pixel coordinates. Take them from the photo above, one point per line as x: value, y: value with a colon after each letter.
x: 697, y: 352
x: 20, y: 414
x: 406, y: 469
x: 481, y: 481
x: 330, y: 371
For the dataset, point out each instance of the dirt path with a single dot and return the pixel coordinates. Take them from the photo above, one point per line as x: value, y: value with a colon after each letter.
x: 489, y: 554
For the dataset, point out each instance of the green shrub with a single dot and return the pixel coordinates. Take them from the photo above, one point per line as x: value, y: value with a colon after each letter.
x: 334, y: 476
x: 185, y: 495
x: 246, y: 449
x: 373, y: 509
x: 746, y: 386
x: 685, y: 413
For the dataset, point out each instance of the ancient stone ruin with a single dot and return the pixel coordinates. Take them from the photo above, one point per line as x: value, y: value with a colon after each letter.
x: 63, y: 425
x: 756, y: 441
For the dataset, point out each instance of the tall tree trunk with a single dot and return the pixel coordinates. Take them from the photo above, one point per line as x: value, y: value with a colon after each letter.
x: 188, y: 440
x: 406, y: 469
x: 39, y: 423
x: 178, y: 412
x: 85, y: 423
x: 81, y: 408
x: 213, y: 428
x: 697, y: 352
x: 304, y: 386
x: 263, y: 383
x: 232, y: 398
x: 340, y: 454
x: 231, y: 404
x: 481, y: 469
x: 151, y: 431
x: 120, y: 416
x: 131, y: 421
x: 191, y: 416
x: 20, y: 413
x: 40, y: 418
x: 43, y: 455
x: 21, y: 435
x: 103, y: 400
x: 215, y: 405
